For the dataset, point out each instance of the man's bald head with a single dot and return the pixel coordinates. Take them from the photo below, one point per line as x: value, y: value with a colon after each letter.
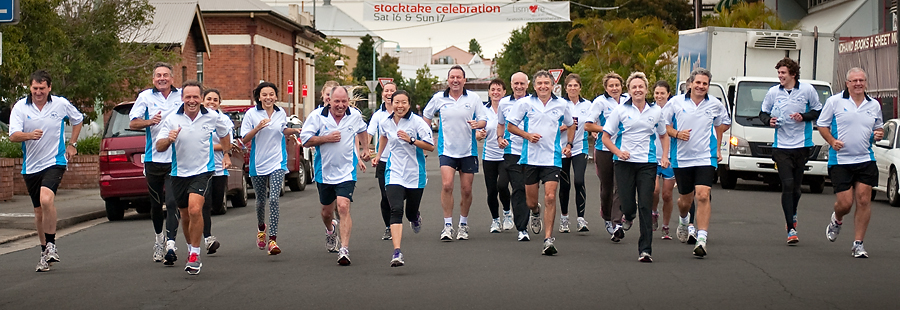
x: 519, y: 82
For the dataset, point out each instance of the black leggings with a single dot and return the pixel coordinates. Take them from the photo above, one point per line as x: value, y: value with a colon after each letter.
x: 496, y: 180
x: 790, y: 163
x: 385, y: 205
x: 396, y: 194
x: 158, y: 181
x: 578, y: 163
x: 215, y: 196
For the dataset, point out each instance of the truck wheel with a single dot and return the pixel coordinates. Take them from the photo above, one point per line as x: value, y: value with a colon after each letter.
x: 239, y: 199
x: 893, y: 196
x: 220, y: 209
x: 298, y: 183
x: 726, y: 178
x: 817, y: 185
x: 310, y: 175
x: 114, y: 209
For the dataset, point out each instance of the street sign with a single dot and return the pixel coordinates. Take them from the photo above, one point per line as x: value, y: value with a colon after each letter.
x: 371, y: 85
x: 556, y: 73
x: 304, y: 90
x: 9, y: 11
x: 290, y: 87
x: 384, y: 80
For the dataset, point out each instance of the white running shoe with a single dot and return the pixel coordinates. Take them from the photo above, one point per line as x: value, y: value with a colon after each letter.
x: 523, y: 236
x: 833, y: 229
x: 495, y: 226
x: 212, y: 245
x: 43, y: 265
x: 52, y: 256
x: 159, y: 247
x: 508, y: 221
x: 582, y: 225
x: 700, y: 248
x: 682, y: 232
x: 463, y: 233
x: 447, y: 232
x: 564, y: 225
x: 610, y: 227
x: 858, y: 250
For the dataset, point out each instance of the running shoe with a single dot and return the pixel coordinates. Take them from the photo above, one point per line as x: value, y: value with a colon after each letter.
x: 655, y: 216
x: 645, y: 258
x: 463, y: 233
x: 682, y: 232
x: 397, y: 259
x: 626, y: 224
x: 619, y: 234
x: 858, y: 251
x: 331, y: 241
x: 833, y: 229
x: 523, y: 236
x: 537, y: 225
x: 582, y: 225
x: 273, y: 248
x: 549, y: 248
x: 212, y: 245
x: 344, y: 257
x: 170, y: 253
x: 564, y: 225
x: 610, y: 227
x: 159, y: 247
x: 495, y: 225
x: 692, y: 238
x: 700, y: 248
x: 193, y: 264
x: 43, y: 265
x: 387, y: 234
x: 417, y: 224
x: 52, y: 256
x: 508, y: 221
x: 665, y: 233
x: 447, y: 232
x: 792, y: 238
x: 261, y: 240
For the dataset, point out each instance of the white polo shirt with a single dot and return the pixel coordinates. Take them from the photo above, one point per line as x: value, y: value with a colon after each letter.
x: 220, y: 155
x: 514, y: 142
x: 268, y: 148
x: 637, y: 131
x: 374, y: 123
x: 853, y: 125
x: 148, y: 103
x: 581, y: 111
x: 405, y: 162
x: 803, y: 98
x: 50, y: 149
x: 334, y: 163
x: 455, y: 137
x: 602, y: 107
x: 659, y: 155
x: 192, y: 152
x: 532, y: 116
x: 491, y: 149
x: 702, y: 119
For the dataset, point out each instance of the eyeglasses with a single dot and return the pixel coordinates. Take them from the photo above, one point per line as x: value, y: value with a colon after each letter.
x: 856, y: 81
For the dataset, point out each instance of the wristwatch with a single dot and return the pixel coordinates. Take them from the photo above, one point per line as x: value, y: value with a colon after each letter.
x: 412, y: 140
x: 74, y: 144
x: 569, y: 144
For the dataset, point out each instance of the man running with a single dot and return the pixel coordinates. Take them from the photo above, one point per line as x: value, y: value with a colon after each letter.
x: 37, y: 122
x: 696, y: 121
x: 512, y: 151
x: 791, y: 107
x: 334, y: 130
x: 849, y: 122
x: 461, y: 113
x: 374, y: 124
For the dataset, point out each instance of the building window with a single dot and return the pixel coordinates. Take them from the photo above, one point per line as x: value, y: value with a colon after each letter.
x: 200, y: 67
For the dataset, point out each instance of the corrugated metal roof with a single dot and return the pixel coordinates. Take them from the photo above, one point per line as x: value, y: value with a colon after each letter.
x: 334, y: 22
x: 171, y: 22
x: 234, y: 5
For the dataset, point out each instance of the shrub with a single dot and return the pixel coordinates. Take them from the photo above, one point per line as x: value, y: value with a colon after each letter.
x: 9, y: 149
x: 89, y: 145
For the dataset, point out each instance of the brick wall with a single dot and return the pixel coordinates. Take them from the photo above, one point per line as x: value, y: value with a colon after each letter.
x: 83, y: 172
x: 7, y: 174
x: 187, y: 68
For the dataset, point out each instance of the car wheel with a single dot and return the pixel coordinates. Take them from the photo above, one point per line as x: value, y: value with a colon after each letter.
x: 726, y: 178
x: 114, y: 209
x: 298, y: 183
x: 817, y: 185
x: 239, y: 199
x: 250, y: 187
x: 893, y: 196
x: 220, y: 209
x: 310, y: 173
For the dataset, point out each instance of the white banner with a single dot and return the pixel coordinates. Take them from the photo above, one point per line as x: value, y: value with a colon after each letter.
x: 427, y: 13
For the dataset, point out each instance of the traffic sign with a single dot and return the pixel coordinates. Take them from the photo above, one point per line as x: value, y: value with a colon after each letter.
x: 371, y: 85
x: 290, y: 87
x: 9, y: 11
x: 384, y: 80
x: 556, y: 73
x: 304, y: 90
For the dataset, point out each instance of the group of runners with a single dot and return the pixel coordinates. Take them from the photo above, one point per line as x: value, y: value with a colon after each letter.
x: 642, y: 150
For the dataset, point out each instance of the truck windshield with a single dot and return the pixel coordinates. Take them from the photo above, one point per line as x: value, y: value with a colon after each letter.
x: 750, y: 96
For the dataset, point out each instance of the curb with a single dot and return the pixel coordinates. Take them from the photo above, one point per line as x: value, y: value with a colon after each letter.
x: 60, y: 224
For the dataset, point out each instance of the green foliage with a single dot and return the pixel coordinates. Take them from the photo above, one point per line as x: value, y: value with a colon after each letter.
x: 389, y: 67
x: 422, y: 88
x: 750, y: 15
x: 81, y: 44
x: 624, y: 46
x: 363, y: 70
x: 89, y: 145
x: 9, y: 149
x: 474, y: 47
x: 512, y: 58
x: 327, y: 52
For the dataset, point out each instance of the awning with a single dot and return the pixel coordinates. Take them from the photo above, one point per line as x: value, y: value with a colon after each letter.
x: 831, y: 19
x: 727, y: 4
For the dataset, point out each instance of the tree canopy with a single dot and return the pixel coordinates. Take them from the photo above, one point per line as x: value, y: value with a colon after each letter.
x: 750, y: 15
x: 474, y: 47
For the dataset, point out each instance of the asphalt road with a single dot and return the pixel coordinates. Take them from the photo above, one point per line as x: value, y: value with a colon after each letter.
x: 109, y: 266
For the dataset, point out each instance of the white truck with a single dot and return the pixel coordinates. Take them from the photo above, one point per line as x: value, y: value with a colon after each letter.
x: 742, y: 63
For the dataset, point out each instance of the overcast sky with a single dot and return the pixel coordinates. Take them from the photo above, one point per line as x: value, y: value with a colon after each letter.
x: 491, y: 36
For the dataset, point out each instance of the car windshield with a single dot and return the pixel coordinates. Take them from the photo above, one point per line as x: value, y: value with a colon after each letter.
x: 118, y: 125
x: 750, y: 96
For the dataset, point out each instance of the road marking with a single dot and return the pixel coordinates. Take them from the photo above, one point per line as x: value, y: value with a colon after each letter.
x: 16, y: 214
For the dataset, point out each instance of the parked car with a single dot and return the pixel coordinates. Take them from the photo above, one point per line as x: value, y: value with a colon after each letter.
x: 299, y: 163
x: 887, y: 157
x: 122, y: 182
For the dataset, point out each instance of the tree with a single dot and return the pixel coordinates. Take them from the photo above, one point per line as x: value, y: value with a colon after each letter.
x: 85, y: 45
x: 750, y: 15
x: 624, y: 46
x: 364, y: 66
x: 422, y: 88
x: 389, y: 67
x: 327, y: 52
x: 474, y: 47
x: 512, y: 58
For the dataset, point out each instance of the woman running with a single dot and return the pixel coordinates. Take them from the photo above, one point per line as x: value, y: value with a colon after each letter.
x: 580, y: 108
x: 495, y: 177
x: 219, y: 182
x: 665, y: 181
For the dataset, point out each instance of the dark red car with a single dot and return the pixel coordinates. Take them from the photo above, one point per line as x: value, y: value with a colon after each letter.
x: 122, y: 182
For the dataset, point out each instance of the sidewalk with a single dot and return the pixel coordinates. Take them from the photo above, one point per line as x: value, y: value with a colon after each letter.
x: 73, y: 206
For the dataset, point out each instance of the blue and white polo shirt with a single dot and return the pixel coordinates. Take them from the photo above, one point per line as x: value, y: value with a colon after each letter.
x: 852, y: 124
x: 148, y: 103
x: 50, y: 149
